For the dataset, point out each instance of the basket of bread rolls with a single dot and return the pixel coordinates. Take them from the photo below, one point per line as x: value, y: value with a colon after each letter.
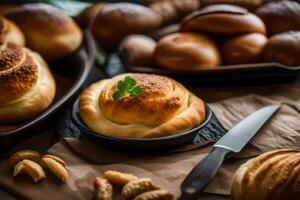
x: 43, y: 63
x: 200, y: 40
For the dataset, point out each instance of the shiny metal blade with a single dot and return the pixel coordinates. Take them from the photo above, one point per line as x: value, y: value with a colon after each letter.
x: 237, y: 137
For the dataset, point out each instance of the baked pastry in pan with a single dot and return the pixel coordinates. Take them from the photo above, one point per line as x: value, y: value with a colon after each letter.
x: 274, y: 175
x: 163, y: 108
x: 9, y: 32
x: 187, y: 51
x: 224, y: 20
x: 27, y: 86
x: 48, y: 30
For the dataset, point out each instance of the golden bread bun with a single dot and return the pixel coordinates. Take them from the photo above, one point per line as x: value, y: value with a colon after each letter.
x: 138, y: 50
x: 187, y: 51
x: 274, y: 175
x: 9, y: 32
x: 283, y: 48
x: 280, y: 16
x: 249, y: 4
x: 172, y: 11
x: 116, y: 21
x: 164, y: 107
x: 27, y: 86
x: 86, y: 17
x: 243, y: 49
x: 48, y: 30
x: 223, y: 19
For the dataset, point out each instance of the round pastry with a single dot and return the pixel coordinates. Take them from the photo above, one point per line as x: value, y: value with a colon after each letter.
x: 116, y: 21
x: 164, y: 107
x: 85, y: 18
x: 246, y: 48
x: 9, y: 32
x: 138, y: 50
x: 283, y: 48
x: 274, y: 175
x: 27, y: 86
x: 249, y: 4
x: 187, y: 51
x: 223, y: 19
x: 280, y: 16
x: 48, y: 30
x: 173, y: 11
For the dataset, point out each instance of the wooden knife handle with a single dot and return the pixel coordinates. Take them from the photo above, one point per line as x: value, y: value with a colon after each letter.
x: 202, y: 174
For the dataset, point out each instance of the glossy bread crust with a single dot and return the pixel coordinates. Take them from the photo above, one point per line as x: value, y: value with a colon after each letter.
x: 9, y: 32
x: 163, y: 108
x: 27, y: 86
x: 274, y: 175
x: 48, y: 30
x: 223, y: 19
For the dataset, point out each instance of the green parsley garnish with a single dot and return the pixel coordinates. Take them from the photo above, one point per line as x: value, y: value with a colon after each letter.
x: 128, y: 85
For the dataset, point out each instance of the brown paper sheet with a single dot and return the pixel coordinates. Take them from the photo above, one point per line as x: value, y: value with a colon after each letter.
x: 86, y: 160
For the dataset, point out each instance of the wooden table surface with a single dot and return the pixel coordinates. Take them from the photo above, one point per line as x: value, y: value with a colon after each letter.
x: 208, y: 94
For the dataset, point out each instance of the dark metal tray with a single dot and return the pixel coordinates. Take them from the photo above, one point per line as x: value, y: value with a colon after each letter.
x: 69, y: 75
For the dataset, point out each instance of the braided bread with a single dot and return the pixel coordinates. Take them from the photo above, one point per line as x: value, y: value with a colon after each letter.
x: 274, y: 175
x: 27, y: 86
x: 164, y: 107
x: 9, y: 32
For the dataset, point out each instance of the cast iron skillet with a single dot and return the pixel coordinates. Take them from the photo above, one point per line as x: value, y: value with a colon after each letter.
x: 70, y: 74
x: 147, y: 144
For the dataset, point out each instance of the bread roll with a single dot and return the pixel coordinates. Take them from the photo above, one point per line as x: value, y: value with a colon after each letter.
x: 187, y: 51
x: 27, y: 86
x: 85, y: 18
x: 138, y: 50
x: 116, y: 21
x: 9, y: 32
x: 274, y: 175
x: 48, y: 30
x: 173, y: 11
x: 243, y: 49
x: 248, y: 4
x: 283, y: 48
x: 223, y: 19
x: 280, y: 16
x: 164, y: 107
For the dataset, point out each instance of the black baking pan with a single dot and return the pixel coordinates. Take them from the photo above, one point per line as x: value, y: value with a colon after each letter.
x: 70, y: 74
x: 244, y: 74
x: 149, y: 144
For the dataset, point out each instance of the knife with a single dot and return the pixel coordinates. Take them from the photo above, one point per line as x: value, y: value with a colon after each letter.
x: 233, y: 141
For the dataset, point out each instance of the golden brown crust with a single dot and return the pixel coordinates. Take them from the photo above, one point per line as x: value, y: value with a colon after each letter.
x: 163, y: 108
x: 274, y: 175
x: 138, y: 50
x: 48, y: 30
x: 283, y: 48
x: 56, y: 166
x: 119, y: 178
x: 223, y: 19
x: 9, y: 32
x: 30, y: 168
x: 249, y: 4
x: 243, y: 49
x: 280, y: 16
x: 103, y: 190
x: 187, y: 51
x: 27, y: 86
x: 22, y: 155
x: 118, y: 20
x: 136, y: 187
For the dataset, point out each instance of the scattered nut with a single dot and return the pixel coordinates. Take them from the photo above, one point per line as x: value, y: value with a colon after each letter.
x: 22, y: 155
x: 55, y: 165
x: 103, y: 189
x: 119, y: 178
x: 30, y: 168
x: 155, y: 195
x: 136, y: 187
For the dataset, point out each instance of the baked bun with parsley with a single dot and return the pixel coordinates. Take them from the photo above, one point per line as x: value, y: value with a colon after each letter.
x: 140, y: 106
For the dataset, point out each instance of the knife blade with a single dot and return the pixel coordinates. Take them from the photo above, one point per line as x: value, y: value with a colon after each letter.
x: 232, y: 142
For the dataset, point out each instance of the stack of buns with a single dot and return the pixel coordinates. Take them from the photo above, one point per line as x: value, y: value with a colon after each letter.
x: 27, y: 84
